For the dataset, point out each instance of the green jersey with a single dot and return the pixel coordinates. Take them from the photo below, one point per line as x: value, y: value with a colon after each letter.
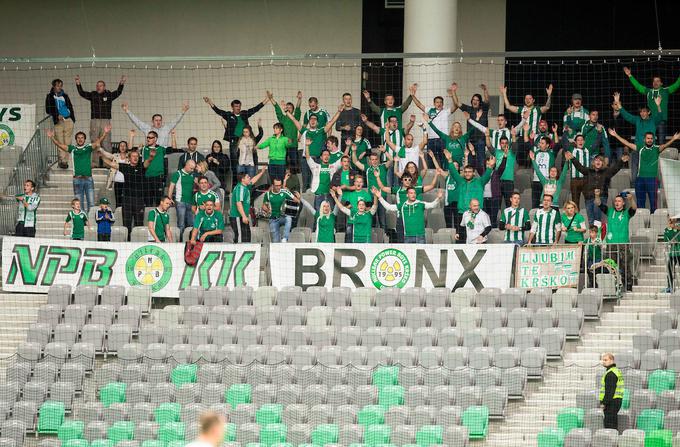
x: 543, y: 161
x: 451, y: 191
x: 571, y: 225
x: 517, y: 217
x: 671, y: 235
x: 362, y: 222
x: 240, y: 124
x: 157, y: 166
x: 361, y: 146
x: 276, y: 201
x: 591, y: 134
x: 209, y: 196
x: 534, y: 118
x: 575, y: 120
x: 160, y: 219
x: 241, y: 193
x: 353, y: 198
x: 205, y: 222
x: 335, y: 156
x: 495, y: 136
x: 78, y: 221
x: 346, y: 178
x: 27, y: 213
x: 652, y: 93
x: 395, y: 136
x: 370, y: 176
x: 325, y: 228
x: 594, y: 250
x: 401, y: 194
x: 456, y: 146
x: 278, y: 147
x: 412, y: 215
x: 82, y: 160
x: 649, y: 161
x: 551, y: 186
x: 545, y: 226
x: 322, y: 117
x: 388, y: 112
x: 289, y: 128
x: 617, y: 226
x: 583, y: 157
x: 317, y: 137
x: 509, y: 171
x: 184, y: 186
x: 642, y: 126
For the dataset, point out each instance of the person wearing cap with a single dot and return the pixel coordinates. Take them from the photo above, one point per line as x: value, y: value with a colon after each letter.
x: 575, y: 116
x: 104, y: 219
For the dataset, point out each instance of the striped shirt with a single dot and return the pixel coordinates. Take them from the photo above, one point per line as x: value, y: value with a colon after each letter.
x: 583, y: 157
x: 534, y: 118
x: 516, y: 217
x: 27, y: 214
x: 497, y: 134
x: 397, y: 138
x: 545, y: 226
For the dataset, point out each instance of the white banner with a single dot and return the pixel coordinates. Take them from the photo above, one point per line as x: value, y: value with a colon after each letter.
x: 382, y: 265
x: 670, y: 176
x: 548, y: 266
x: 33, y: 265
x: 17, y: 124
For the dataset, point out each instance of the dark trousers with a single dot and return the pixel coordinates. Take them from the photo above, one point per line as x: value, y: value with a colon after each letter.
x: 306, y: 174
x: 22, y: 231
x: 646, y: 187
x: 101, y: 237
x: 133, y: 210
x: 624, y: 258
x: 536, y: 193
x: 293, y: 158
x: 611, y: 414
x: 214, y: 238
x: 577, y: 188
x: 154, y: 190
x: 491, y: 206
x: 451, y: 216
x: 118, y: 191
x: 507, y: 188
x: 661, y: 133
x: 241, y: 230
x: 277, y: 171
x: 233, y: 160
x: 436, y: 146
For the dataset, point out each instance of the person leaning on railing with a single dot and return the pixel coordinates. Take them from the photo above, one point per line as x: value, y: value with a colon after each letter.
x: 670, y: 235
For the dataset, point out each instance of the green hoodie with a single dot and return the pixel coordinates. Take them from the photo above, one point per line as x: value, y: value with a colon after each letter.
x: 470, y: 189
x: 289, y: 128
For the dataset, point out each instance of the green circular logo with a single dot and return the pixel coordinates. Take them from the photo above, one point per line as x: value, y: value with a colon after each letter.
x: 390, y: 268
x: 149, y: 266
x: 6, y: 136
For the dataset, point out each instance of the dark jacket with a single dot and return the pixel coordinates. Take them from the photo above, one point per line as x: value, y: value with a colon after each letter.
x: 610, y: 380
x: 230, y: 118
x: 597, y: 178
x: 136, y: 182
x: 100, y: 103
x: 220, y: 169
x: 186, y: 156
x: 337, y: 177
x: 51, y: 107
x: 351, y: 117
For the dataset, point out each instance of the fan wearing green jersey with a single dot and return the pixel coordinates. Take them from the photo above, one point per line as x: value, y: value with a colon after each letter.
x: 278, y: 150
x: 470, y: 187
x: 618, y: 231
x: 289, y: 129
x: 28, y: 203
x: 573, y: 223
x: 239, y: 212
x: 658, y: 90
x: 322, y: 116
x: 580, y: 153
x: 324, y: 220
x: 361, y: 218
x: 204, y: 194
x: 552, y: 185
x: 575, y: 116
x: 670, y: 236
x: 534, y: 112
x: 360, y: 147
x: 412, y: 214
x: 440, y: 116
x: 409, y: 154
x: 451, y: 216
x: 209, y: 225
x: 394, y: 133
x: 456, y: 141
x: 390, y: 110
x: 546, y: 226
x: 545, y: 152
x: 181, y: 192
x: 595, y: 136
x: 273, y: 204
x: 646, y: 183
x: 78, y: 219
x: 374, y: 165
x: 159, y: 222
x: 514, y: 221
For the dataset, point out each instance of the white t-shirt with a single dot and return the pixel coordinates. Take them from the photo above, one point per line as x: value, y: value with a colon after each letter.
x: 475, y: 226
x: 440, y: 118
x: 409, y: 154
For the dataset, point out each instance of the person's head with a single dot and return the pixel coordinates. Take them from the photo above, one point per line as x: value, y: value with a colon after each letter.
x: 211, y: 428
x: 247, y: 132
x: 325, y: 156
x: 392, y: 123
x: 332, y: 143
x: 476, y: 100
x: 157, y: 120
x: 474, y: 206
x: 619, y: 203
x: 75, y: 204
x: 57, y: 85
x: 406, y: 181
x: 649, y: 139
x: 203, y: 184
x: 202, y: 166
x: 192, y: 144
x: 101, y: 86
x: 408, y: 140
x: 290, y: 107
x: 544, y: 144
x: 123, y: 147
x: 456, y: 130
x: 593, y: 232
x: 278, y: 129
x: 325, y: 208
x: 164, y: 203
x: 543, y: 126
x: 217, y: 146
x: 347, y: 100
x: 554, y: 173
x: 373, y: 159
x: 29, y: 186
x: 656, y: 82
x: 579, y: 140
x: 358, y: 132
x: 412, y: 170
x: 243, y: 178
x: 358, y: 182
x: 361, y: 205
x: 576, y: 100
x: 133, y: 157
x: 593, y: 116
x: 209, y: 206
x: 570, y: 208
x: 468, y: 172
x: 277, y: 183
x: 189, y: 166
x: 313, y: 122
x: 389, y: 100
x: 313, y: 103
x: 80, y: 138
x: 547, y: 201
x: 411, y: 194
x: 598, y: 162
x: 151, y: 138
x: 344, y: 162
x: 504, y: 143
x: 103, y: 203
x: 529, y: 100
x: 502, y: 121
x: 236, y: 106
x: 438, y: 102
x: 607, y: 359
x: 515, y: 198
x: 645, y: 112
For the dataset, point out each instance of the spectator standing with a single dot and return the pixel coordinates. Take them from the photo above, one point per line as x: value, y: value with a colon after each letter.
x: 475, y: 224
x: 573, y: 224
x: 618, y: 230
x: 28, y: 203
x: 209, y: 225
x: 412, y: 214
x: 203, y: 171
x: 58, y: 106
x: 289, y: 128
x: 551, y: 185
x: 240, y: 206
x: 670, y: 236
x: 360, y: 218
x: 547, y: 224
x: 116, y: 179
x: 390, y: 110
x: 440, y: 117
x: 529, y: 109
x: 247, y: 150
x: 324, y: 220
x: 104, y: 219
x: 204, y: 194
x: 374, y: 165
x: 133, y: 189
x: 181, y: 192
x: 159, y: 222
x: 514, y: 221
x: 322, y: 116
x: 575, y: 116
x: 278, y: 150
x: 349, y: 119
x: 273, y: 202
x: 479, y: 110
x: 78, y: 219
x: 190, y: 153
x: 162, y: 131
x: 218, y: 161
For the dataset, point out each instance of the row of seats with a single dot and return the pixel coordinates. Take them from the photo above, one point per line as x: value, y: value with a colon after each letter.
x: 649, y: 360
x: 586, y: 437
x: 77, y: 315
x: 62, y: 295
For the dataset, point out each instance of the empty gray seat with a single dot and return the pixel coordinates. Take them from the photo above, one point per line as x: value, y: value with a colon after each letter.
x: 495, y: 398
x: 481, y: 358
x: 27, y: 413
x: 667, y: 401
x: 219, y: 315
x: 571, y: 320
x: 294, y: 316
x: 605, y: 437
x: 86, y: 295
x: 494, y: 317
x: 578, y: 437
x: 553, y: 341
x: 117, y: 336
x: 431, y: 356
x: 533, y: 359
x: 39, y: 333
x: 632, y: 438
x: 527, y: 337
x: 443, y: 317
x: 519, y: 318
x: 191, y: 296
x: 630, y: 358
x: 513, y: 298
x: 49, y: 314
x: 103, y: 315
x: 60, y: 295
x: 593, y: 419
x: 646, y: 339
x: 56, y: 352
x: 653, y: 359
x: 507, y: 357
x: 545, y: 317
x: 35, y: 392
x: 113, y: 295
x: 456, y: 357
x: 63, y: 392
x: 488, y: 297
x: 475, y: 337
x: 664, y: 319
x: 669, y: 340
x: 137, y: 392
x: 590, y: 300
x: 94, y: 334
x: 424, y: 337
x: 438, y: 297
x: 642, y: 400
x: 514, y: 380
x: 538, y: 298
x: 387, y: 297
x: 66, y: 333
x: 449, y: 337
x: 455, y: 436
x: 501, y: 337
x: 588, y: 399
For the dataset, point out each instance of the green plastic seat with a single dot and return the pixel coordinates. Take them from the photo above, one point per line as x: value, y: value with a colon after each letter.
x: 51, y: 416
x: 121, y: 431
x: 75, y: 443
x: 153, y: 443
x: 103, y: 443
x: 659, y: 438
x: 171, y: 431
x: 239, y: 393
x: 551, y: 437
x: 269, y: 414
x: 371, y: 415
x: 113, y: 392
x: 168, y: 412
x: 649, y: 420
x: 271, y: 434
x: 386, y: 375
x: 570, y: 418
x: 430, y: 435
x: 390, y: 395
x: 476, y: 419
x: 185, y: 373
x: 661, y: 380
x: 325, y: 434
x: 71, y: 430
x: 625, y: 402
x: 375, y: 435
x: 230, y: 432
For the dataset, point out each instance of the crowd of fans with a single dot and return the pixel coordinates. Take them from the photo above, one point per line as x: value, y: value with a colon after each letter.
x: 351, y: 180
